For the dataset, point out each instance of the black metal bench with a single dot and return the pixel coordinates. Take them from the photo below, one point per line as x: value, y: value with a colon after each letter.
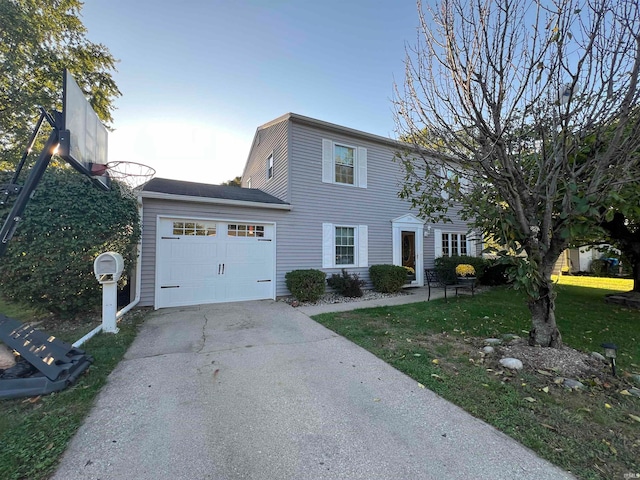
x: 433, y: 281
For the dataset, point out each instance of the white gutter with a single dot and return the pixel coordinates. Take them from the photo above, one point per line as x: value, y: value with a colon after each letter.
x: 135, y: 301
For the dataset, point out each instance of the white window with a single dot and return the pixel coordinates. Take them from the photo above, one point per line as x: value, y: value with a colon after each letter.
x: 450, y: 244
x: 243, y: 230
x: 270, y: 166
x: 344, y: 164
x: 207, y: 229
x: 344, y: 245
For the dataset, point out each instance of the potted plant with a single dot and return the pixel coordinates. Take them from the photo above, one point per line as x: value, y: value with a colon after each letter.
x: 466, y: 273
x: 411, y: 273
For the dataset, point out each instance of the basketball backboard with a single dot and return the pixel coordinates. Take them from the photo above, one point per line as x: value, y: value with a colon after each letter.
x: 83, y: 137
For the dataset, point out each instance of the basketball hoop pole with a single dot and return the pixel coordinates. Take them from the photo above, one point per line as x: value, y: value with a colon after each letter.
x: 15, y: 216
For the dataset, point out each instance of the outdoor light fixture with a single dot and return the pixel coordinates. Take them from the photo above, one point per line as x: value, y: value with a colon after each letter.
x: 610, y: 350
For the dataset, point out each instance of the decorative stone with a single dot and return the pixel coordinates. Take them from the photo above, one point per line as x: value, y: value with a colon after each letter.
x: 492, y: 341
x: 573, y: 384
x: 488, y: 350
x: 512, y: 363
x: 508, y: 337
x: 598, y: 356
x: 636, y: 378
x: 634, y: 391
x: 7, y: 359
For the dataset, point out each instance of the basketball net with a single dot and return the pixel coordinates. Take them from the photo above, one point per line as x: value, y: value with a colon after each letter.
x: 130, y: 174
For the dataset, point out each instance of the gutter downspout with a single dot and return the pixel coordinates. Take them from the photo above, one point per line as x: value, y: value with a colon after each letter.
x: 135, y: 301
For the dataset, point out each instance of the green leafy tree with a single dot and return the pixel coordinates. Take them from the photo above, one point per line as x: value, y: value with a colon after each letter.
x: 522, y: 117
x: 38, y: 40
x: 236, y: 182
x: 67, y: 224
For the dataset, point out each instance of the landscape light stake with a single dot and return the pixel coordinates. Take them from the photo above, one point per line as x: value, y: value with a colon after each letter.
x: 610, y: 350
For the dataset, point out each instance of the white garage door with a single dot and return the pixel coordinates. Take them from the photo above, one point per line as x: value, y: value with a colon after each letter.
x: 209, y: 262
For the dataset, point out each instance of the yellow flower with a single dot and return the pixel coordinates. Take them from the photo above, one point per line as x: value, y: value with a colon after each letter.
x: 465, y: 270
x: 410, y: 270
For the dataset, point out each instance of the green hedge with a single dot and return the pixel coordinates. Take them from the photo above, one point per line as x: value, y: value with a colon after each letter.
x: 446, y: 267
x: 306, y: 285
x: 346, y: 284
x: 67, y: 224
x: 388, y: 278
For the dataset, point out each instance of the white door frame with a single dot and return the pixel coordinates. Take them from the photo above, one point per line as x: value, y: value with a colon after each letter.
x: 409, y: 223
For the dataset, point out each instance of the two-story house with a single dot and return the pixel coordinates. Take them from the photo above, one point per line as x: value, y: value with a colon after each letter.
x: 314, y: 195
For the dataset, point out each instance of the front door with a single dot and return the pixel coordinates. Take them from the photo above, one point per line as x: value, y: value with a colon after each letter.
x: 409, y: 254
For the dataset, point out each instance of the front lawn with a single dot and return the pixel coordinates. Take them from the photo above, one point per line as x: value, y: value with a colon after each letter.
x: 594, y: 433
x: 34, y: 432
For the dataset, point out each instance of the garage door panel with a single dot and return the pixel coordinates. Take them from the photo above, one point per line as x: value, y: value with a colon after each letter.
x: 218, y: 268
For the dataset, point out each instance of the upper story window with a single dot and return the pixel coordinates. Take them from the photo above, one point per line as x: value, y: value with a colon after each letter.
x: 344, y: 164
x: 270, y: 166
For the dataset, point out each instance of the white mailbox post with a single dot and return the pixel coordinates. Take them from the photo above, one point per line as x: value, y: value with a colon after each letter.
x: 108, y: 268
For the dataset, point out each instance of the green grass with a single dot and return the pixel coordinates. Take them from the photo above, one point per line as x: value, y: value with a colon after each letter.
x: 34, y: 433
x: 574, y: 430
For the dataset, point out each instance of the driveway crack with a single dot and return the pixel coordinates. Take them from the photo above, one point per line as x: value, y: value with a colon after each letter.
x: 274, y: 344
x: 204, y: 335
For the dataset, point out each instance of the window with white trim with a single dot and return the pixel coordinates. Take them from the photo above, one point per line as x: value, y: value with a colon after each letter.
x: 344, y: 245
x: 270, y: 166
x: 200, y: 229
x: 344, y: 164
x: 244, y: 230
x: 454, y: 244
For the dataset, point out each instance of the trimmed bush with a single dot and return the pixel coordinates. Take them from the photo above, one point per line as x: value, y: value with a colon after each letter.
x: 495, y: 274
x: 446, y: 267
x: 346, y: 284
x: 306, y: 285
x: 388, y: 278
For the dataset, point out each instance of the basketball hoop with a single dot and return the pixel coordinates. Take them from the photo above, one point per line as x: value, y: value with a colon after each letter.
x: 131, y: 174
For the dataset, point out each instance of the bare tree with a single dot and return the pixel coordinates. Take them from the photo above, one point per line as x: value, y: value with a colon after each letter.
x: 525, y: 113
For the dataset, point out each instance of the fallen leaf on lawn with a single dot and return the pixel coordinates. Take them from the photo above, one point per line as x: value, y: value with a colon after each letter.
x: 545, y: 389
x: 489, y: 369
x: 436, y: 376
x: 409, y: 340
x: 624, y: 392
x: 421, y: 385
x: 584, y: 409
x: 485, y: 385
x: 530, y: 399
x: 606, y: 405
x: 549, y: 427
x: 544, y: 372
x: 523, y: 384
x: 635, y: 417
x: 417, y: 354
x: 435, y: 361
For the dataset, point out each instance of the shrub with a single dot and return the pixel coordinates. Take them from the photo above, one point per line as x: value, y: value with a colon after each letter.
x: 599, y: 267
x: 67, y: 224
x: 387, y: 278
x: 446, y: 267
x: 346, y: 284
x: 495, y: 274
x: 306, y: 285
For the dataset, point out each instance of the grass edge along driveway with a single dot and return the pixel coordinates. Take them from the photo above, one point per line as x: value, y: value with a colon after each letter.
x: 593, y: 433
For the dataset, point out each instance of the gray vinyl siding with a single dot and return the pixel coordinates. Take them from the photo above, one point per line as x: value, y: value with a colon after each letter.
x: 271, y: 139
x: 167, y: 208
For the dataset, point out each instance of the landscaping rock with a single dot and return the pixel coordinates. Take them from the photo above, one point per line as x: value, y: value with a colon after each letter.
x: 508, y: 337
x: 634, y: 391
x: 512, y: 363
x: 573, y: 384
x: 635, y: 378
x: 488, y: 350
x: 492, y: 341
x: 598, y: 356
x: 7, y: 358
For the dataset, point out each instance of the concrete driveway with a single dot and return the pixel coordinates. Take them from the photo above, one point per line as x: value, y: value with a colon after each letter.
x: 257, y: 390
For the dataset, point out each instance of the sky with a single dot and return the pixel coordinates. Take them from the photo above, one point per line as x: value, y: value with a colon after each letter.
x: 198, y: 77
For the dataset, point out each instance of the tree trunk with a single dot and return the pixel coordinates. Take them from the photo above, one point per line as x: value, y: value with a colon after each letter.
x: 544, y: 331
